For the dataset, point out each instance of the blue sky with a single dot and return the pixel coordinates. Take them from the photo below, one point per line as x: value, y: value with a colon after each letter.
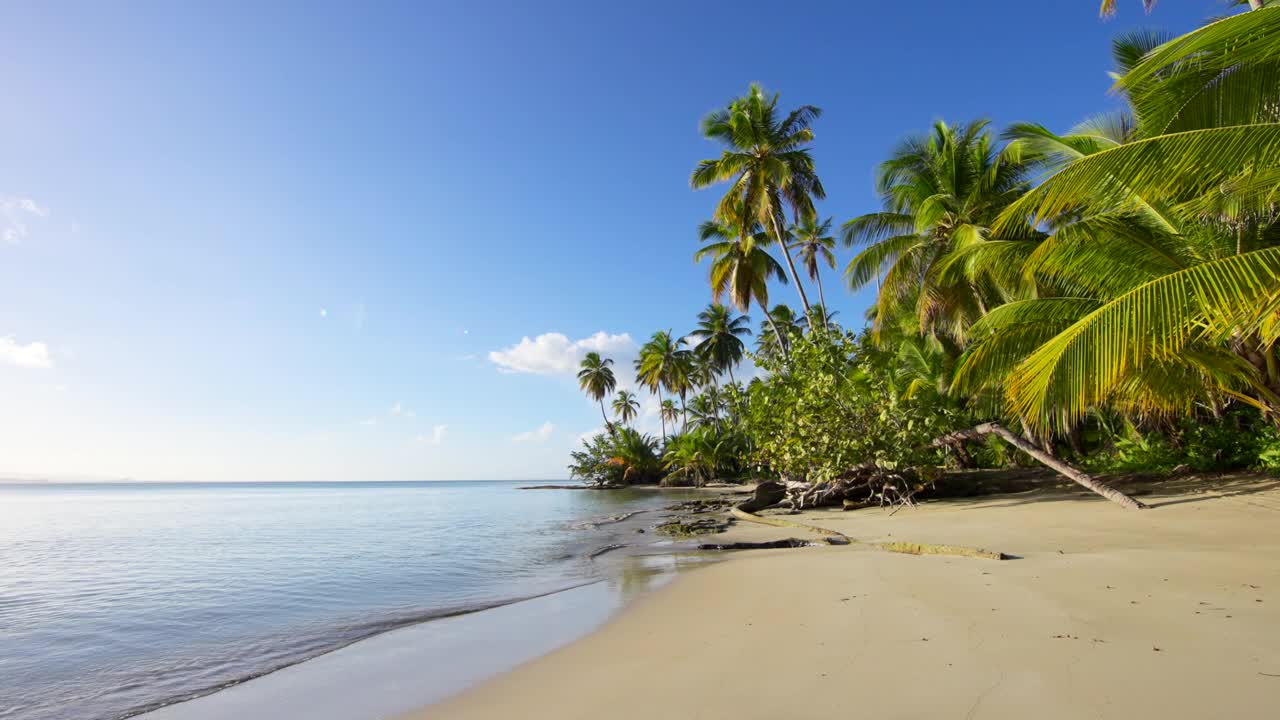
x: 275, y: 241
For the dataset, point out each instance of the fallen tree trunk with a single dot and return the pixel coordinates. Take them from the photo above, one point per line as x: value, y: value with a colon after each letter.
x: 1075, y: 475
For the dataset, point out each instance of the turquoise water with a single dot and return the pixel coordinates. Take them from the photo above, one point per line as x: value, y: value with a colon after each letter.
x: 115, y: 599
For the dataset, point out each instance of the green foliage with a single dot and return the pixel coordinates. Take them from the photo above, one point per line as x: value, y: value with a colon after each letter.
x: 708, y: 452
x: 624, y: 457
x: 1238, y: 440
x: 837, y: 405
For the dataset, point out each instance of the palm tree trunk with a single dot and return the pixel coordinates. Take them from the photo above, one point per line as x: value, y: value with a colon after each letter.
x: 608, y: 425
x: 782, y: 342
x: 662, y: 416
x: 735, y: 382
x: 791, y: 267
x: 1047, y: 459
x: 684, y: 414
x: 822, y: 298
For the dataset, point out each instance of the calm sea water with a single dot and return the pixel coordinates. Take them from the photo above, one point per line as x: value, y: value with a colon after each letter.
x: 117, y: 598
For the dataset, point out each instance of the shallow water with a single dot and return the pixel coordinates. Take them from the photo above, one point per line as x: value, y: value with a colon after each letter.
x: 115, y: 599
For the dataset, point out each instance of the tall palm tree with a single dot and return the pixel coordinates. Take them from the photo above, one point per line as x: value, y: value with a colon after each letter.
x: 813, y: 244
x: 741, y: 266
x: 596, y: 379
x: 625, y: 406
x: 719, y: 335
x: 941, y: 193
x: 663, y: 364
x: 767, y: 164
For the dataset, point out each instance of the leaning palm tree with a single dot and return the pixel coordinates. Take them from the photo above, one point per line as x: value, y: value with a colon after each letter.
x: 741, y: 265
x: 719, y: 335
x: 767, y: 164
x: 813, y: 244
x: 663, y: 364
x: 1163, y: 267
x: 625, y: 406
x: 941, y: 192
x: 596, y: 379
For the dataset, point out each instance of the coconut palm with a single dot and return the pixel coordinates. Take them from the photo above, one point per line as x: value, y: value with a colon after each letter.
x: 596, y: 379
x: 813, y: 245
x: 941, y: 192
x: 767, y: 164
x: 668, y: 412
x: 719, y: 335
x: 785, y: 327
x: 625, y: 406
x: 663, y: 364
x: 1160, y: 283
x: 741, y: 265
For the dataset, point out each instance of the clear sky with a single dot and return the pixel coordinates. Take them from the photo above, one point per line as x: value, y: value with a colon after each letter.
x: 292, y: 241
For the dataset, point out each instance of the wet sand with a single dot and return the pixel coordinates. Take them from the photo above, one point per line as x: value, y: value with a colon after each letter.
x: 1172, y: 612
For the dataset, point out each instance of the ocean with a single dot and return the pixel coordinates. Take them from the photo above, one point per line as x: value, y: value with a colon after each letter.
x: 116, y: 599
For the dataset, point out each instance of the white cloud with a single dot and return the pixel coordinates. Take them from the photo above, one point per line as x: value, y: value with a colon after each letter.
x: 539, y: 435
x: 436, y: 437
x: 31, y: 355
x: 556, y: 354
x: 369, y: 421
x: 582, y: 438
x: 15, y: 212
x: 396, y: 409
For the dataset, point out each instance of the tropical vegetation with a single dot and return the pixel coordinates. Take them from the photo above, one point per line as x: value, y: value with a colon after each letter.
x: 1100, y: 299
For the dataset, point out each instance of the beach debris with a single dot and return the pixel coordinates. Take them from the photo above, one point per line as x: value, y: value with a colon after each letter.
x: 607, y: 548
x: 834, y: 537
x: 911, y: 548
x: 688, y: 527
x: 610, y: 520
x: 766, y: 545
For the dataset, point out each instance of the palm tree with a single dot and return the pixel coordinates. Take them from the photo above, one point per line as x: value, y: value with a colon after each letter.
x: 663, y: 364
x: 941, y: 193
x: 1160, y: 282
x: 719, y: 334
x: 1108, y: 8
x: 596, y: 379
x: 767, y: 164
x: 785, y: 325
x: 814, y: 245
x: 668, y: 412
x: 741, y: 265
x: 625, y: 406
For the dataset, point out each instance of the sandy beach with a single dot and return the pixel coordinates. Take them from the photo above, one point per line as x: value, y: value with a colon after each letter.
x: 1173, y: 612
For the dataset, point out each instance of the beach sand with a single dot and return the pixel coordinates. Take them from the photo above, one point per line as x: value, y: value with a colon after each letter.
x: 1172, y: 612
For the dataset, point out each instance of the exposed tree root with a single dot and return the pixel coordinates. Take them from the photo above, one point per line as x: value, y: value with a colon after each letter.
x: 833, y: 537
x: 780, y: 522
x: 767, y: 545
x: 911, y: 548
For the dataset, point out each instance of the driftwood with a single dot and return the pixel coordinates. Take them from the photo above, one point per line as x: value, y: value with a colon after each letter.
x: 768, y: 545
x: 833, y: 537
x: 780, y: 522
x: 911, y: 548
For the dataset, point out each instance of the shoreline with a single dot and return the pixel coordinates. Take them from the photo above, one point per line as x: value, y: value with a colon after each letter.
x: 1173, y: 612
x: 561, y: 615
